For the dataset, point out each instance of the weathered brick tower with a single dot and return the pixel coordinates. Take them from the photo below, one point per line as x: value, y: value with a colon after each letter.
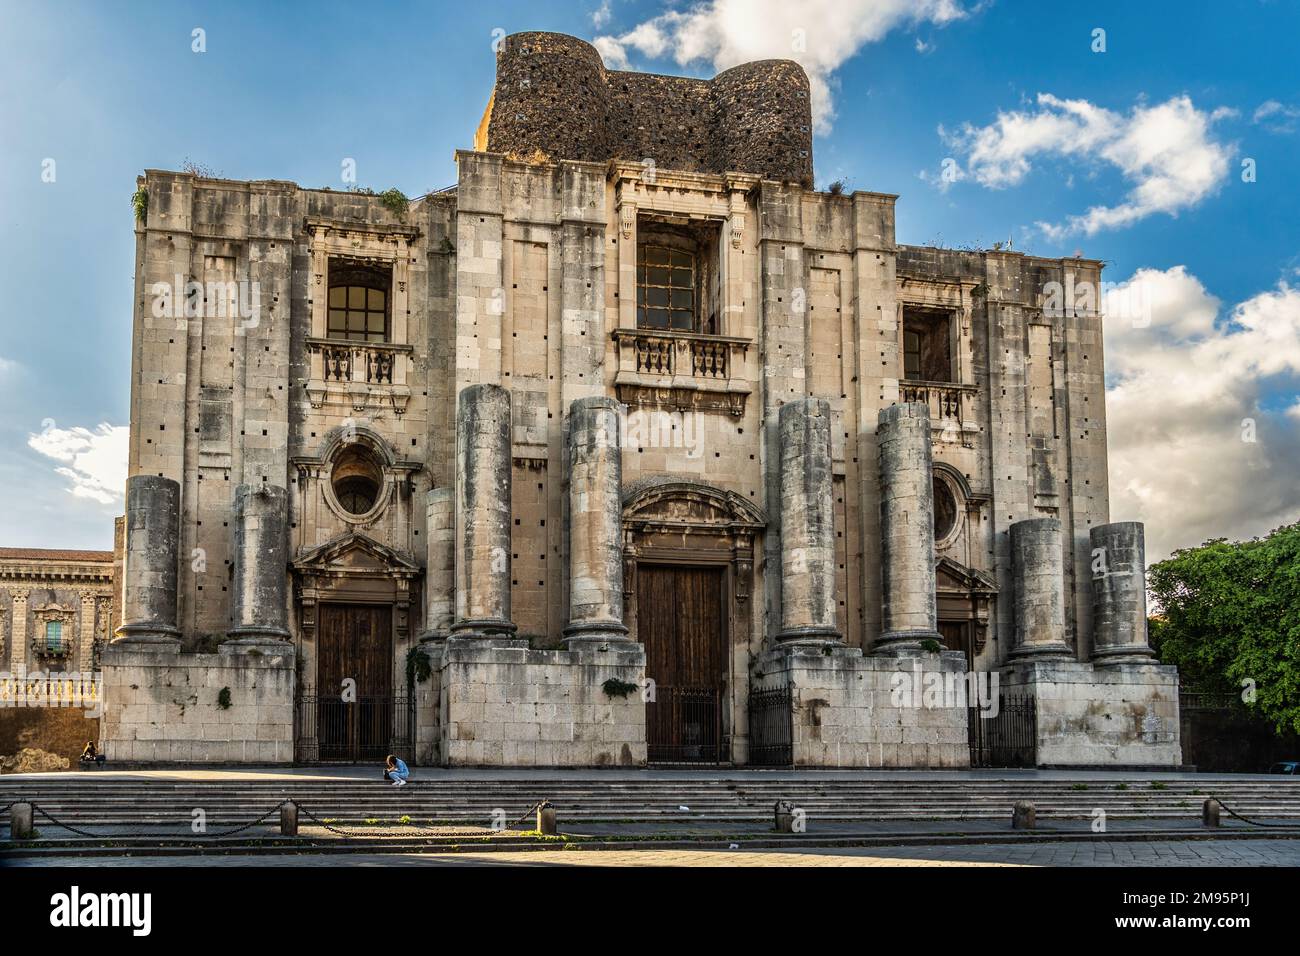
x: 631, y: 447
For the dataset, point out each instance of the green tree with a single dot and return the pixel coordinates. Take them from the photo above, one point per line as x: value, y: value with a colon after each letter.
x: 1229, y: 617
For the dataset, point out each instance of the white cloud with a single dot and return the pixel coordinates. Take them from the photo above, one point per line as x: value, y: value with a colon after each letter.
x: 7, y: 367
x: 820, y: 34
x: 94, y: 462
x: 1185, y: 396
x: 600, y: 16
x: 1276, y: 117
x: 1166, y: 152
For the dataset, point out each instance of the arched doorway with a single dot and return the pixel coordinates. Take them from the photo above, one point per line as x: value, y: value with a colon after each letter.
x: 689, y: 564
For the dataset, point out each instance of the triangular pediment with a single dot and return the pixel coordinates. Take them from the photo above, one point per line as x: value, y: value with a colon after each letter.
x: 954, y: 576
x: 690, y: 504
x: 355, y: 553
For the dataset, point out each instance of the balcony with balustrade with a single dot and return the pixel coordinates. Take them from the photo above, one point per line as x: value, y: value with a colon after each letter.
x: 682, y: 371
x: 951, y: 407
x: 361, y: 375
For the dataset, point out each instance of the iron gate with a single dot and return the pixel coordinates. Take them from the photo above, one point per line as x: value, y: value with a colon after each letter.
x: 1007, y: 739
x: 333, y: 730
x: 684, y: 725
x: 771, y: 727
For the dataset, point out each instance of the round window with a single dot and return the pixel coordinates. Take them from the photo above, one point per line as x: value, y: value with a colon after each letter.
x: 945, y: 510
x: 357, y: 480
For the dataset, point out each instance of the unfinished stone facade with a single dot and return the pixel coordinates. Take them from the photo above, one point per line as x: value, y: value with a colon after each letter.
x: 571, y: 463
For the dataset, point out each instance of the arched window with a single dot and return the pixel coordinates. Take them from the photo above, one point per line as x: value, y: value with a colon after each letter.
x: 358, y: 303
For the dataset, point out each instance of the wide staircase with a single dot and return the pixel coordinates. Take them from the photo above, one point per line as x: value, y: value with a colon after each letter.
x: 85, y: 802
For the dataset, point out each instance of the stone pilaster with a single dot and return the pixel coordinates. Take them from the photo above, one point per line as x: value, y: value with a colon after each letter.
x: 440, y: 576
x: 86, y: 632
x: 260, y: 598
x: 1119, y: 594
x: 807, y: 524
x: 595, y: 521
x: 149, y: 598
x: 906, y: 528
x: 483, y: 513
x: 18, y: 632
x: 1038, y: 576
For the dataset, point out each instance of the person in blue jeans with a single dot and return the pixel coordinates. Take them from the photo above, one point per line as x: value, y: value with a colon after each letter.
x: 395, y: 769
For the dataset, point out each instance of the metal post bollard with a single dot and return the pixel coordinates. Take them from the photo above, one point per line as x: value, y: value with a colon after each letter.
x: 546, y: 819
x: 1210, y: 812
x: 783, y: 816
x: 1024, y: 816
x: 20, y: 821
x: 289, y: 819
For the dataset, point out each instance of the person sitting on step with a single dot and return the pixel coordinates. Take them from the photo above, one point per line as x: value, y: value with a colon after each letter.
x: 92, y: 755
x: 395, y: 769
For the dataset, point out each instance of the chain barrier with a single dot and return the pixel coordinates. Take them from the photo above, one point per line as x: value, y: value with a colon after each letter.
x: 1254, y: 823
x: 341, y: 831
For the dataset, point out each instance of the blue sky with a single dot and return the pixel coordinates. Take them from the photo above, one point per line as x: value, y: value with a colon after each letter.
x: 287, y: 91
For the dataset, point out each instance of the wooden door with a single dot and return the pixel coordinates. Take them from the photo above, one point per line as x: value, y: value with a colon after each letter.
x: 356, y: 644
x: 681, y: 622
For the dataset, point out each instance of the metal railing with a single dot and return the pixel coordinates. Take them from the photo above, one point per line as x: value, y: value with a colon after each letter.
x: 771, y: 727
x: 334, y: 730
x: 684, y: 725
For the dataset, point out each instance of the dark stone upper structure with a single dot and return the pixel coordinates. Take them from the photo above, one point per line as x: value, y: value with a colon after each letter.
x: 553, y: 95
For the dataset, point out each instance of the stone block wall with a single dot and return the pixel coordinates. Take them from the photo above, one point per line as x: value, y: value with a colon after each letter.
x: 856, y: 711
x: 1115, y: 715
x: 503, y: 704
x: 553, y: 95
x: 163, y: 706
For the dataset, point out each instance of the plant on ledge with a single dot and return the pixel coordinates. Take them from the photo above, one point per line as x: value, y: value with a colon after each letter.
x: 395, y: 201
x: 418, y: 667
x: 223, y: 698
x: 617, y: 688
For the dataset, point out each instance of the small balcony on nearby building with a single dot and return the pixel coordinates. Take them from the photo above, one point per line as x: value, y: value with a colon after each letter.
x: 686, y: 371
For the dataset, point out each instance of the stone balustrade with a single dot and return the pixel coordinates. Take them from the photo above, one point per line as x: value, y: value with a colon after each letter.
x: 683, y: 370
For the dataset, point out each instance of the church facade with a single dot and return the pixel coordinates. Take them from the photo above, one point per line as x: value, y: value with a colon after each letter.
x: 630, y: 447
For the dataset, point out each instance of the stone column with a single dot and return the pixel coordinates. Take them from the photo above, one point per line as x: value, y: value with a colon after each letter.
x: 1038, y: 580
x: 153, y: 524
x: 807, y: 523
x: 483, y: 513
x: 906, y: 528
x: 18, y: 632
x: 595, y: 522
x: 1119, y: 592
x: 440, y: 576
x: 260, y: 593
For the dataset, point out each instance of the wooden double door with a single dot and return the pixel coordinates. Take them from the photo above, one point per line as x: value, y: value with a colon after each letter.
x: 355, y: 706
x: 681, y: 620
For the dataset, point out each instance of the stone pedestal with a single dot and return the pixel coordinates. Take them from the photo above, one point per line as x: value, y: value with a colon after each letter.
x: 807, y: 524
x: 1123, y: 715
x: 1119, y: 594
x: 909, y: 613
x: 1038, y: 601
x: 259, y: 591
x: 153, y: 517
x: 483, y: 513
x: 595, y: 522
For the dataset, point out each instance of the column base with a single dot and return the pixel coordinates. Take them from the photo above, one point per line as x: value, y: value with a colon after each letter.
x: 257, y: 634
x: 1133, y: 654
x: 814, y: 635
x: 484, y: 629
x: 595, y: 632
x: 907, y: 643
x: 242, y: 640
x: 1043, y: 652
x: 163, y: 636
